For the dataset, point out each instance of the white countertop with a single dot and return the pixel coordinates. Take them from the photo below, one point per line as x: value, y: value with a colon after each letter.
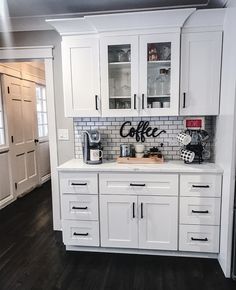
x: 167, y: 166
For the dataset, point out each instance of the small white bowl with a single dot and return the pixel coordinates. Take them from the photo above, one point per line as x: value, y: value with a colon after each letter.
x: 139, y: 148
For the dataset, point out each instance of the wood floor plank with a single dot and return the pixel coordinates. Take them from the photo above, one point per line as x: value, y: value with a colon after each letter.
x: 33, y: 257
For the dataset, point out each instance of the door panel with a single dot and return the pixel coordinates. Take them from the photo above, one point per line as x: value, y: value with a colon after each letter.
x: 20, y: 168
x: 119, y: 227
x: 22, y: 123
x: 31, y: 164
x: 5, y: 176
x: 81, y: 77
x: 119, y: 75
x: 158, y: 222
x: 200, y: 73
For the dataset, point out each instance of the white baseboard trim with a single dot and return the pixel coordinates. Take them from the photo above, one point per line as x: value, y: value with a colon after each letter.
x: 45, y: 178
x: 6, y: 201
x: 142, y: 252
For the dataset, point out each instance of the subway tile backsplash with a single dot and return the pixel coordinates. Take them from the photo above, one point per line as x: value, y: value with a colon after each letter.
x: 111, y: 139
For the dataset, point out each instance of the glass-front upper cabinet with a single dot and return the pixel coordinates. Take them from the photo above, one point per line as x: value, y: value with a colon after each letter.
x: 159, y: 74
x: 119, y: 75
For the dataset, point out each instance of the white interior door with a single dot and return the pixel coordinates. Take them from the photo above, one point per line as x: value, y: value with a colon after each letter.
x: 43, y: 142
x: 158, y: 223
x: 118, y: 220
x: 21, y: 119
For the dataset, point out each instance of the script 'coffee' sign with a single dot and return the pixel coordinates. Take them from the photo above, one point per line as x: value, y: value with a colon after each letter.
x: 142, y: 131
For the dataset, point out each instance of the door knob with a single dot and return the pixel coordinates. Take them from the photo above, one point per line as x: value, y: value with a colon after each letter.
x: 36, y: 141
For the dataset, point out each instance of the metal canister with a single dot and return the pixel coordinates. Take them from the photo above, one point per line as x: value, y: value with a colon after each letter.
x: 125, y: 150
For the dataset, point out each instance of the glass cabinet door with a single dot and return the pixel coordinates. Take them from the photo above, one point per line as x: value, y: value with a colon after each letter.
x: 119, y: 66
x: 159, y: 75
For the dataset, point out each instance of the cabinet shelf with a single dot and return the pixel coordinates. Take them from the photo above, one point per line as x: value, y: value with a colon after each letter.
x: 120, y: 97
x: 119, y: 64
x: 158, y: 61
x: 159, y: 96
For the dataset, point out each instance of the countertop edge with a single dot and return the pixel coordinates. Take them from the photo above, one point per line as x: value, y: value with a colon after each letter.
x: 75, y: 165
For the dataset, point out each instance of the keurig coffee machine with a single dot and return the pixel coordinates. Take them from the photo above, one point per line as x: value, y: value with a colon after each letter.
x: 92, y: 149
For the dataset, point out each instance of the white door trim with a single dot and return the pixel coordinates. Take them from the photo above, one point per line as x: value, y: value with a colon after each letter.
x: 46, y: 53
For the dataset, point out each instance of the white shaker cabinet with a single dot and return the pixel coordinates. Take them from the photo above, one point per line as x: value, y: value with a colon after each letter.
x: 145, y: 222
x: 118, y: 220
x: 81, y: 76
x: 119, y: 75
x: 200, y: 73
x: 140, y: 74
x: 159, y: 74
x: 158, y: 224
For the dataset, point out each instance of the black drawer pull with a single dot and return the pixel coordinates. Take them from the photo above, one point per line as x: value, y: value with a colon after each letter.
x: 200, y: 211
x: 137, y: 184
x: 80, y: 234
x: 198, y: 239
x: 75, y: 207
x: 141, y: 210
x: 79, y: 184
x: 133, y: 210
x: 200, y: 186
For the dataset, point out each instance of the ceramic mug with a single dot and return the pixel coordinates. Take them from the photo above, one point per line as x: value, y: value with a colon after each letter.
x: 184, y: 138
x: 95, y: 154
x: 139, y: 148
x: 187, y: 156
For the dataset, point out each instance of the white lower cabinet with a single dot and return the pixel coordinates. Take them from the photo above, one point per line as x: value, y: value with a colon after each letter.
x: 118, y: 221
x: 80, y: 233
x: 158, y: 223
x: 145, y: 222
x: 143, y: 211
x: 199, y: 238
x: 200, y: 202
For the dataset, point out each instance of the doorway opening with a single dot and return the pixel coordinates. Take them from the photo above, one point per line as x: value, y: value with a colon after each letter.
x: 28, y: 54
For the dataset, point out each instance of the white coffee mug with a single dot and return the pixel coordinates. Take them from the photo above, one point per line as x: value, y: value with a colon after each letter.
x: 95, y: 154
x: 187, y: 156
x: 184, y: 138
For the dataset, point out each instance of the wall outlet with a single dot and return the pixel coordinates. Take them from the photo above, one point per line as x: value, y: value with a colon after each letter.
x: 63, y: 134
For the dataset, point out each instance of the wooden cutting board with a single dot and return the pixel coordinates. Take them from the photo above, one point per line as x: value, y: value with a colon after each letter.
x: 135, y: 160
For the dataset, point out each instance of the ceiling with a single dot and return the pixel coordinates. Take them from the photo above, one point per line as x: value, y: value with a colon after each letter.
x: 29, y: 8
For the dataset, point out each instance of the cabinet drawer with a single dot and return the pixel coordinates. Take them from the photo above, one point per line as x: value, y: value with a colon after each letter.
x: 73, y: 182
x: 196, y: 238
x: 200, y: 185
x: 196, y: 210
x: 80, y: 233
x: 80, y: 207
x: 145, y: 184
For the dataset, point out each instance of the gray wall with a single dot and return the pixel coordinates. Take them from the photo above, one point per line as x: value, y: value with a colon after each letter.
x: 44, y: 38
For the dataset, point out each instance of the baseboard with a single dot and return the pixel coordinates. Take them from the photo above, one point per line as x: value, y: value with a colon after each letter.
x: 142, y: 252
x: 45, y: 178
x: 6, y: 201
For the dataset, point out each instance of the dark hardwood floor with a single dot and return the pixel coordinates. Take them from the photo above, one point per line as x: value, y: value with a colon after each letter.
x: 32, y: 256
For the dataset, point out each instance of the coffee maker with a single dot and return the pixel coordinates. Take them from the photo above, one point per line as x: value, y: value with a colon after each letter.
x: 91, y: 145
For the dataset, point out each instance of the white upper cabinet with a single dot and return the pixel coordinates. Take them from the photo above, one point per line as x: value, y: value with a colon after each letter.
x: 81, y: 77
x: 200, y: 73
x: 140, y: 75
x: 119, y: 75
x: 159, y: 74
x: 136, y: 59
